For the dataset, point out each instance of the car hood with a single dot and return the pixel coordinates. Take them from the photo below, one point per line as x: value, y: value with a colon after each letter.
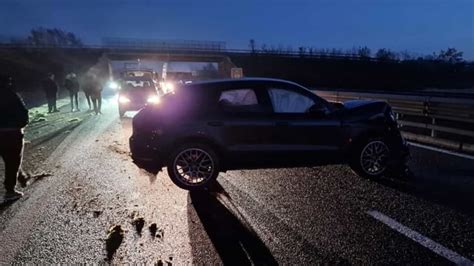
x: 354, y: 104
x: 364, y: 109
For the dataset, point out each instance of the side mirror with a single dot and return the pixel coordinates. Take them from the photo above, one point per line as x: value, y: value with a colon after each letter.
x: 318, y: 110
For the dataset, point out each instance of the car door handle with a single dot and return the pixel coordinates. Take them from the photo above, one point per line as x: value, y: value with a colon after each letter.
x: 215, y: 124
x: 281, y: 124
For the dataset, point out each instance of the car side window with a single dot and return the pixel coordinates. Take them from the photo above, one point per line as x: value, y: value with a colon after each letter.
x: 240, y: 100
x: 287, y: 101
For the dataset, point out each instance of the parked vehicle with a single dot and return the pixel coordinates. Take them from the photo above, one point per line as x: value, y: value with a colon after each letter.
x: 208, y: 127
x: 135, y: 93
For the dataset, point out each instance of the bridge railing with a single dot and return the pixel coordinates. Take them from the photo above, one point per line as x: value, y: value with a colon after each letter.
x: 446, y: 122
x: 186, y: 47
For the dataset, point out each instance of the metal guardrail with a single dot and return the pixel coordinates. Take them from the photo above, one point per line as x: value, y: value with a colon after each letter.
x: 446, y: 122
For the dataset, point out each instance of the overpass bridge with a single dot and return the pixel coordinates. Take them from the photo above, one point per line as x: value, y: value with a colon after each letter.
x: 188, y: 51
x: 224, y: 63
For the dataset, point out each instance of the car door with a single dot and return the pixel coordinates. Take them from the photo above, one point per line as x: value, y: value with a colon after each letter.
x: 303, y: 137
x: 242, y: 120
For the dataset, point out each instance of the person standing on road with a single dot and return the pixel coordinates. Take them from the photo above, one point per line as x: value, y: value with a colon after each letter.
x: 96, y: 94
x: 13, y: 118
x: 72, y: 85
x: 88, y: 87
x: 51, y: 89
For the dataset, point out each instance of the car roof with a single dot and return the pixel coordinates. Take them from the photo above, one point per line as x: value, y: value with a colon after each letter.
x: 241, y: 81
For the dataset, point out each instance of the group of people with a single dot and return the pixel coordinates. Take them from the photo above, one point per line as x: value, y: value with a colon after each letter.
x: 91, y: 87
x: 14, y: 118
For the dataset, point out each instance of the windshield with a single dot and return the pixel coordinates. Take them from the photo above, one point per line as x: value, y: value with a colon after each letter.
x: 137, y: 84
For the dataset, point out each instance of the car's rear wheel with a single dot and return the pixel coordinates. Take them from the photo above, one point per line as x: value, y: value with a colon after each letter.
x: 370, y: 159
x: 193, y: 166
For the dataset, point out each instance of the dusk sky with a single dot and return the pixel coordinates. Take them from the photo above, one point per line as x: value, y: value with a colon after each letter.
x: 419, y: 26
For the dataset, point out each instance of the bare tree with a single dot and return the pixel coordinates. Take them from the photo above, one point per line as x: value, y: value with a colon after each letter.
x: 301, y: 51
x: 386, y: 55
x: 252, y: 45
x: 43, y: 37
x: 406, y: 56
x: 451, y: 56
x: 364, y: 52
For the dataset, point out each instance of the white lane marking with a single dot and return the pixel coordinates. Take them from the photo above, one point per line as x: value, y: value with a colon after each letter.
x: 421, y: 239
x: 465, y: 156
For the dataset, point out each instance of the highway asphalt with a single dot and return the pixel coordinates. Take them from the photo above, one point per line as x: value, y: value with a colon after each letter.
x: 273, y: 216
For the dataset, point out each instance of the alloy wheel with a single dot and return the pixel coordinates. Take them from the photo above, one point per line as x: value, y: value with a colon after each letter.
x: 193, y: 166
x: 374, y: 157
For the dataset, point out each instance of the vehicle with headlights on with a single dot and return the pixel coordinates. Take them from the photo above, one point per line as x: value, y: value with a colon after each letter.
x: 135, y: 93
x: 208, y: 127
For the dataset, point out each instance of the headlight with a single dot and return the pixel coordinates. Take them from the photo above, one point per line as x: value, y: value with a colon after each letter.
x: 153, y: 99
x: 123, y: 99
x: 168, y: 87
x: 113, y: 85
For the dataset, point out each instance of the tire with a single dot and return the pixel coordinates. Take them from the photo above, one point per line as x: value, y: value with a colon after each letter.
x: 203, y: 154
x: 366, y: 165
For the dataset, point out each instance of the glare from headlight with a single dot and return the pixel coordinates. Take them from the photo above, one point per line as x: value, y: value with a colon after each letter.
x: 122, y: 99
x: 153, y: 99
x: 113, y: 85
x: 169, y: 87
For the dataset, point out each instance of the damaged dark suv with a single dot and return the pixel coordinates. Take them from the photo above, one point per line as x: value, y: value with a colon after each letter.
x: 208, y: 127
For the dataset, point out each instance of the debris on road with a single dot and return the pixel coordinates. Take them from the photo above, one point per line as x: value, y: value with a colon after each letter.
x: 39, y: 176
x: 114, y: 240
x: 37, y: 117
x: 161, y: 263
x: 133, y: 214
x: 160, y: 234
x: 96, y: 213
x: 168, y: 262
x: 153, y: 228
x: 117, y: 149
x: 74, y: 120
x: 139, y: 223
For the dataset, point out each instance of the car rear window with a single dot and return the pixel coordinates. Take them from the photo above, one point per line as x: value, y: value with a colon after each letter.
x: 243, y: 100
x: 238, y: 97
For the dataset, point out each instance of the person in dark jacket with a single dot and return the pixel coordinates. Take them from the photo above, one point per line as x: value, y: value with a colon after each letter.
x: 94, y: 89
x: 72, y: 85
x: 51, y: 90
x: 13, y: 118
x: 88, y: 87
x: 96, y: 97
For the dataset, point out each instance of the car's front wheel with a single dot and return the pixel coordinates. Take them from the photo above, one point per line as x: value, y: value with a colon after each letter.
x: 193, y: 166
x: 370, y: 159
